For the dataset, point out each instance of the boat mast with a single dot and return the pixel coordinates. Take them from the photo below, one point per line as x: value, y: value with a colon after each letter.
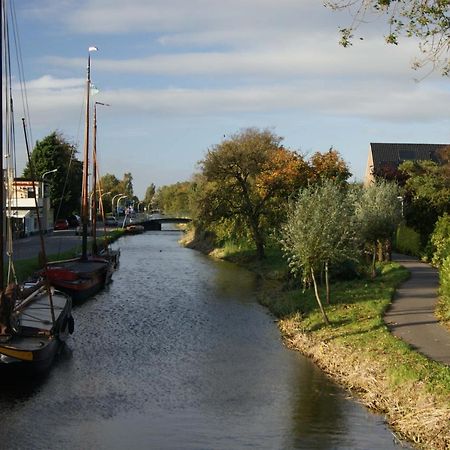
x: 94, y: 184
x: 2, y: 187
x: 84, y: 198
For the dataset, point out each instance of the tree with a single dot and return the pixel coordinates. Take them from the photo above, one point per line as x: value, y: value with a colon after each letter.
x: 126, y: 185
x: 319, y: 230
x: 378, y: 213
x: 427, y: 193
x: 54, y: 152
x: 329, y: 165
x: 246, y: 178
x: 175, y: 198
x: 426, y: 20
x: 149, y: 194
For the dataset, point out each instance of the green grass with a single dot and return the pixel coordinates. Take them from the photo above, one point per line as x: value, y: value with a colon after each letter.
x: 356, y: 316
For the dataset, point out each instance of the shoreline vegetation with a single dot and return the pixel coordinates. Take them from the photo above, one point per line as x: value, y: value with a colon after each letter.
x: 356, y: 350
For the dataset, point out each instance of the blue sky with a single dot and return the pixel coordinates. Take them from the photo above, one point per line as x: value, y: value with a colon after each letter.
x: 182, y: 74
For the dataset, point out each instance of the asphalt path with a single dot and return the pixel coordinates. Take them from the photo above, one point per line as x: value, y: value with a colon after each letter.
x: 411, y: 316
x: 56, y: 242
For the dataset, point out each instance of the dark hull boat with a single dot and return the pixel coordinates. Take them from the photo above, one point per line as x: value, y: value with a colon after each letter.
x: 35, y: 320
x: 79, y: 278
x: 35, y: 331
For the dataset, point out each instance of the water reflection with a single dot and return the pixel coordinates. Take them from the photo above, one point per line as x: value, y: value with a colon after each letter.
x: 177, y: 354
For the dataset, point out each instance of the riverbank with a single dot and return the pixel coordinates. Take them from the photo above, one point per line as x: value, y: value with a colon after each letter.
x: 358, y: 351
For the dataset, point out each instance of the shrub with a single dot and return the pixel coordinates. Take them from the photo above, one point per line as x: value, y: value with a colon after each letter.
x: 407, y: 241
x: 440, y: 240
x: 444, y: 302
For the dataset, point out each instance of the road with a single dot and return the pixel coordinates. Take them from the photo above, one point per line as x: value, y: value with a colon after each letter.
x: 55, y: 243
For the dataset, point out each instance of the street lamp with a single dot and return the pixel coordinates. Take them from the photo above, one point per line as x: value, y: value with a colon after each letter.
x: 112, y: 201
x: 45, y: 203
x: 118, y: 201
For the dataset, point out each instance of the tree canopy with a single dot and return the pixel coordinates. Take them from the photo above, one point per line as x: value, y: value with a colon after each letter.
x: 245, y: 178
x: 428, y: 21
x: 319, y: 230
x: 54, y: 152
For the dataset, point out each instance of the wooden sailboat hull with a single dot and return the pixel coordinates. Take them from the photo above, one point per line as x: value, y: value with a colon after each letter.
x: 38, y: 340
x: 80, y: 279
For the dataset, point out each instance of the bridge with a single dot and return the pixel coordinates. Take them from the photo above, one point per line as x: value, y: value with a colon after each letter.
x: 154, y: 222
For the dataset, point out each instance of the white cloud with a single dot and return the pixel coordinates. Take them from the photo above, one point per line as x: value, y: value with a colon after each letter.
x: 395, y: 102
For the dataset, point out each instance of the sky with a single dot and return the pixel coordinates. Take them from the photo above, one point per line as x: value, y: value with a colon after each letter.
x: 182, y: 75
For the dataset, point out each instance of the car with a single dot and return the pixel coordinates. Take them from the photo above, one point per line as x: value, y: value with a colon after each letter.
x: 61, y: 224
x: 111, y: 221
x: 74, y: 220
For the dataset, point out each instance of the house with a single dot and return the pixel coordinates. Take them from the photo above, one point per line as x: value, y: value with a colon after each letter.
x: 384, y: 157
x: 21, y: 206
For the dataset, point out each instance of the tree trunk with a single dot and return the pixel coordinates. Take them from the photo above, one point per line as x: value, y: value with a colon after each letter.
x: 374, y: 257
x: 327, y: 282
x: 316, y: 291
x: 258, y: 239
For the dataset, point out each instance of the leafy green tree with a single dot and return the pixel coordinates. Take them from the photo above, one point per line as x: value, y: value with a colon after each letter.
x: 378, y: 214
x: 54, y: 152
x: 428, y: 21
x: 427, y: 193
x: 149, y: 195
x: 126, y: 184
x: 174, y: 199
x: 319, y: 230
x: 440, y: 239
x: 247, y: 179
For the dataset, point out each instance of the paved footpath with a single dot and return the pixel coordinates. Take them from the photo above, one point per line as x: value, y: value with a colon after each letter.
x: 411, y: 316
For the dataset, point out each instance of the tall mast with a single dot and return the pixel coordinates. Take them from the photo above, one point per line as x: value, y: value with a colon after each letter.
x: 2, y: 171
x: 85, y: 187
x: 94, y: 184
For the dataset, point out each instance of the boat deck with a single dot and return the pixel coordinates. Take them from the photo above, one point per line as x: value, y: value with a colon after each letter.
x: 37, y: 314
x: 79, y: 266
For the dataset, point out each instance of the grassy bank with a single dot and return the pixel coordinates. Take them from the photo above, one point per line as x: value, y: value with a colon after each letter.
x: 358, y: 351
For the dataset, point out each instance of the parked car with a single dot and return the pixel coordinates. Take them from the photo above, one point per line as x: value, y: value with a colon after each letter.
x: 61, y: 224
x: 74, y: 220
x: 111, y: 221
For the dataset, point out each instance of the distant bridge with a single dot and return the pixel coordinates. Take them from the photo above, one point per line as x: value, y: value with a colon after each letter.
x: 155, y: 223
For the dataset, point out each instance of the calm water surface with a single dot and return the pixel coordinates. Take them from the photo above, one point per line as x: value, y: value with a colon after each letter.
x: 177, y: 354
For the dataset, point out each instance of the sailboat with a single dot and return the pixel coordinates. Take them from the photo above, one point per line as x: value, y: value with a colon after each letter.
x: 35, y: 320
x: 112, y: 256
x: 84, y: 276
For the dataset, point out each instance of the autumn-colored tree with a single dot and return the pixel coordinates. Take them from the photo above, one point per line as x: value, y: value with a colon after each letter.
x: 329, y: 166
x: 247, y: 178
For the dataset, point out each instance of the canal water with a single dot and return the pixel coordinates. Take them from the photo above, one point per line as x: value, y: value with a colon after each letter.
x: 177, y: 354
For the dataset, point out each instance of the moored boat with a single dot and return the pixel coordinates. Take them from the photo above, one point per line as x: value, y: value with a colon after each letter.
x: 84, y: 276
x: 34, y: 332
x: 35, y: 320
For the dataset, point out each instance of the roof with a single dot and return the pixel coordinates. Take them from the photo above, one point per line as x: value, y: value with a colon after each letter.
x: 20, y: 213
x: 383, y: 153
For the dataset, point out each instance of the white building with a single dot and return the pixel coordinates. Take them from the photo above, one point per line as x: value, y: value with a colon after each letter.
x: 21, y: 206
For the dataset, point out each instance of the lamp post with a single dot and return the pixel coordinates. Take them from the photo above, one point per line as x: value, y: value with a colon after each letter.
x: 118, y: 201
x: 112, y: 201
x: 45, y: 203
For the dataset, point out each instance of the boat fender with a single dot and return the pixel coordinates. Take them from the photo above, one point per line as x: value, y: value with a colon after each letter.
x: 71, y: 325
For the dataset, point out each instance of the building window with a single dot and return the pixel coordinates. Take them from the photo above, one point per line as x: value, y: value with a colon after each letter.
x: 30, y: 192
